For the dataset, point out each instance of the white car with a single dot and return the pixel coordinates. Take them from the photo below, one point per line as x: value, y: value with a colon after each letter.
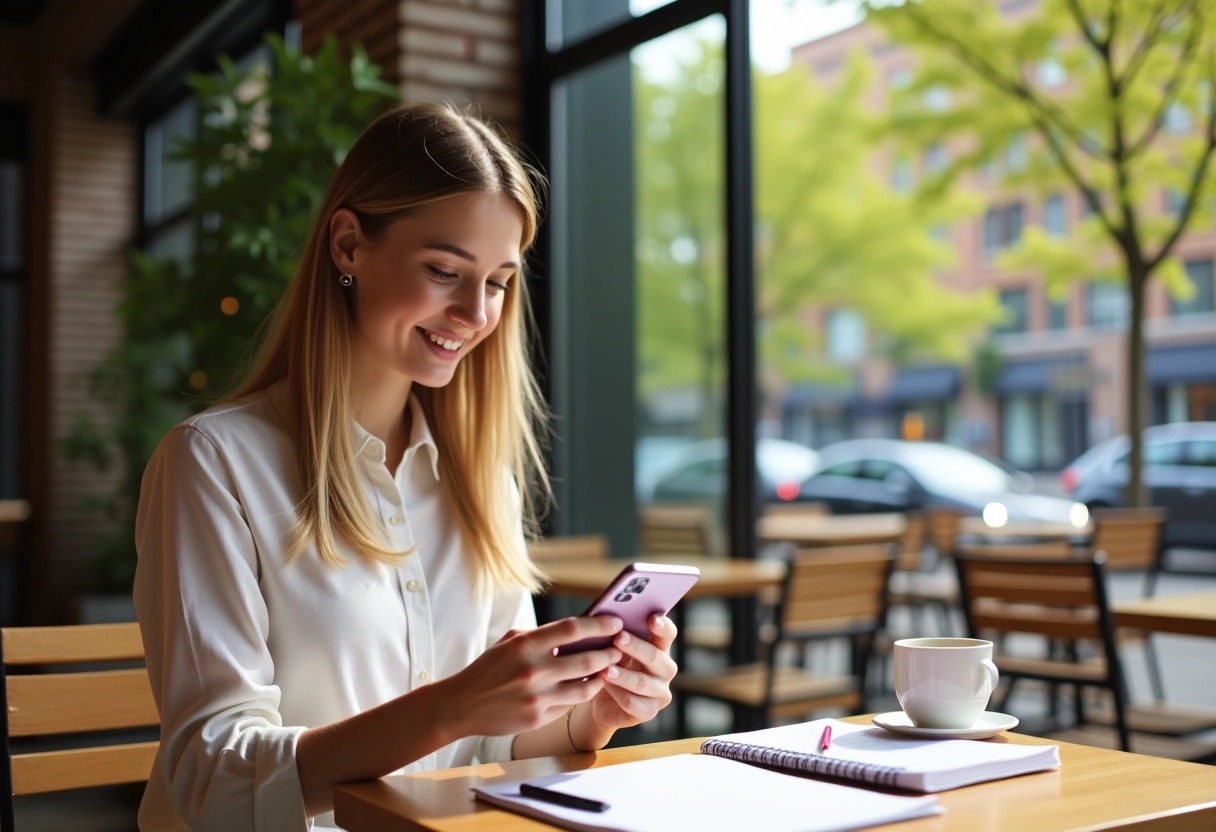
x: 699, y: 473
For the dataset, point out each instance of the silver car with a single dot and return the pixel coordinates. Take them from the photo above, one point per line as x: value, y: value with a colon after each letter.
x: 1179, y: 470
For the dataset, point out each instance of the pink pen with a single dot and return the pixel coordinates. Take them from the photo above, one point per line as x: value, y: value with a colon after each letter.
x: 826, y: 740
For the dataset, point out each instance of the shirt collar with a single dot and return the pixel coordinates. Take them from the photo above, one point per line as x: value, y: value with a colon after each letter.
x: 366, y: 443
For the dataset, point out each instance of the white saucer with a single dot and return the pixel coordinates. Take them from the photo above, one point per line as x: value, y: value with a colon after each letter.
x: 988, y: 725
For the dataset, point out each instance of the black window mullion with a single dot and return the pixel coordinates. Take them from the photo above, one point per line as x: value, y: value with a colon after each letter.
x: 741, y: 313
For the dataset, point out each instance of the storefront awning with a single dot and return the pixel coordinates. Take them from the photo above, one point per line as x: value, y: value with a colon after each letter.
x: 1193, y: 362
x: 924, y: 384
x: 1057, y: 375
x: 810, y: 395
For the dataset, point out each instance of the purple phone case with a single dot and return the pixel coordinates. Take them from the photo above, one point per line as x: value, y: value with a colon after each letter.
x: 638, y: 592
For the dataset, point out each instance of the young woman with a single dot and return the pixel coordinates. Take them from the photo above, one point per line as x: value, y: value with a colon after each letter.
x: 332, y: 580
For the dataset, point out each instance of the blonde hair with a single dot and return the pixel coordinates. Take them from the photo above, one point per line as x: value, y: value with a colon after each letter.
x: 487, y: 422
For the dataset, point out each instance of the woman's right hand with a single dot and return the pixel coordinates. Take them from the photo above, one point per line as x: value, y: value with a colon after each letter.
x: 519, y: 684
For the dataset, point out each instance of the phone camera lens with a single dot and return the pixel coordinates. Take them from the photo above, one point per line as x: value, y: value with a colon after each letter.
x: 623, y: 596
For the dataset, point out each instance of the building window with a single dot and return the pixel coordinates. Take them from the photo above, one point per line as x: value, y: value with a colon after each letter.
x: 1002, y: 227
x: 901, y: 175
x: 936, y: 158
x: 1174, y: 201
x: 1051, y: 73
x: 1177, y: 119
x: 1202, y: 302
x: 1016, y: 153
x: 846, y: 335
x: 1108, y: 306
x: 1057, y: 315
x: 1055, y: 215
x: 899, y: 78
x: 936, y: 99
x: 1014, y: 303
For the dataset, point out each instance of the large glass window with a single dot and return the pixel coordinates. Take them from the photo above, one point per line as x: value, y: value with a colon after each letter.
x: 572, y: 20
x: 637, y: 281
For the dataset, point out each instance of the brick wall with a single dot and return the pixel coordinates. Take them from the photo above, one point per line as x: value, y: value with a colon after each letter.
x: 464, y: 51
x: 92, y: 197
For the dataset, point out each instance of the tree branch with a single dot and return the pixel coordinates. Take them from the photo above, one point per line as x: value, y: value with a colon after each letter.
x: 1170, y: 95
x: 1197, y: 179
x: 1041, y: 114
x: 1091, y: 38
x: 1136, y: 60
x: 1017, y: 88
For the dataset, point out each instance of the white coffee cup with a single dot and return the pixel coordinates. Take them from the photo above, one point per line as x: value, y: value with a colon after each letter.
x: 944, y: 682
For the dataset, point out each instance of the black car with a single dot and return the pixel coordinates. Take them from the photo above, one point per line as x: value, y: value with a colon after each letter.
x: 1179, y: 470
x: 877, y: 475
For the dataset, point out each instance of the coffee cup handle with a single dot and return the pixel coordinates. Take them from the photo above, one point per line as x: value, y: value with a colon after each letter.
x: 987, y: 677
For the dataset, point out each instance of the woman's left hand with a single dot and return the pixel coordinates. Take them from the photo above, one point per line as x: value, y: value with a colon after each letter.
x: 640, y: 685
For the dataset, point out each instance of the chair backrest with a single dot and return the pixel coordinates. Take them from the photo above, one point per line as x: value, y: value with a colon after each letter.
x: 1056, y: 598
x: 1037, y: 549
x: 836, y: 590
x: 58, y: 701
x: 569, y: 548
x: 801, y: 509
x: 1130, y: 537
x: 674, y: 529
x: 912, y: 543
x: 941, y: 527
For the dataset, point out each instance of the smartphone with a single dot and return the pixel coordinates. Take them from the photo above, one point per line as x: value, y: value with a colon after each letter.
x: 638, y: 592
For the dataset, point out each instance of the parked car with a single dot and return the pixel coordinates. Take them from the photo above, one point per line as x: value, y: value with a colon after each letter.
x: 700, y: 472
x: 876, y: 475
x: 1179, y: 470
x: 653, y: 456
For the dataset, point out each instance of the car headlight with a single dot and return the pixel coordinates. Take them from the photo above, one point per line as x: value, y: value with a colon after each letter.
x: 1078, y: 515
x: 996, y: 515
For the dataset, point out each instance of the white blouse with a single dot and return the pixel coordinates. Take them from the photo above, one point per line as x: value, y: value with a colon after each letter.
x: 245, y: 652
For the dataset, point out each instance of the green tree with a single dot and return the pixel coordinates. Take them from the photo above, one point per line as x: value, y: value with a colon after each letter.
x: 1119, y: 98
x: 270, y: 137
x: 819, y: 204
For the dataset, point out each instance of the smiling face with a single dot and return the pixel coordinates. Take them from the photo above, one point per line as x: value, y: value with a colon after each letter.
x: 431, y: 288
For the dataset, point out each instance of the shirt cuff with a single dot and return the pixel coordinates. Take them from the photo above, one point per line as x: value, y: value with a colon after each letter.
x: 278, y: 799
x: 495, y: 749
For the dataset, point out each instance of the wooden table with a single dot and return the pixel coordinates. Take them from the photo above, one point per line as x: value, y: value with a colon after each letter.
x: 1036, y: 530
x: 830, y: 529
x: 1189, y: 615
x: 1094, y: 789
x: 720, y: 577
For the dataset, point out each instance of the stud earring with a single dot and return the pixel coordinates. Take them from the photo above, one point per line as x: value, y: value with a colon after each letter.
x: 346, y: 279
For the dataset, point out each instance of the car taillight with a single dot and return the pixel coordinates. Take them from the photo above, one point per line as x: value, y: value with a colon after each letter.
x: 787, y: 490
x: 1068, y: 480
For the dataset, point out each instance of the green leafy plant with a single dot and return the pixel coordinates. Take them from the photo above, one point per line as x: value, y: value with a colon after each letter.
x: 270, y: 137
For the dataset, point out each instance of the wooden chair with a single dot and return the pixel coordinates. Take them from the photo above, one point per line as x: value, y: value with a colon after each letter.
x: 59, y: 701
x: 1132, y: 540
x: 836, y: 593
x: 565, y: 549
x: 1062, y: 601
x: 675, y: 529
x: 914, y: 583
x: 941, y: 529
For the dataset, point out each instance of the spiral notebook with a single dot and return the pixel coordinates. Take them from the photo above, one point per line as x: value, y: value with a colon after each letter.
x: 874, y: 756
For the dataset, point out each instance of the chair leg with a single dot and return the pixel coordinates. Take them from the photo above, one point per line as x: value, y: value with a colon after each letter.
x: 1154, y: 669
x: 1121, y: 716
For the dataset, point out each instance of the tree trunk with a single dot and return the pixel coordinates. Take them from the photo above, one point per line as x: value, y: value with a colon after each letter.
x: 1137, y: 392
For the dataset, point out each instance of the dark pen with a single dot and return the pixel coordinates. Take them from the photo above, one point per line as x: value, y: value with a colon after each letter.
x: 562, y: 799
